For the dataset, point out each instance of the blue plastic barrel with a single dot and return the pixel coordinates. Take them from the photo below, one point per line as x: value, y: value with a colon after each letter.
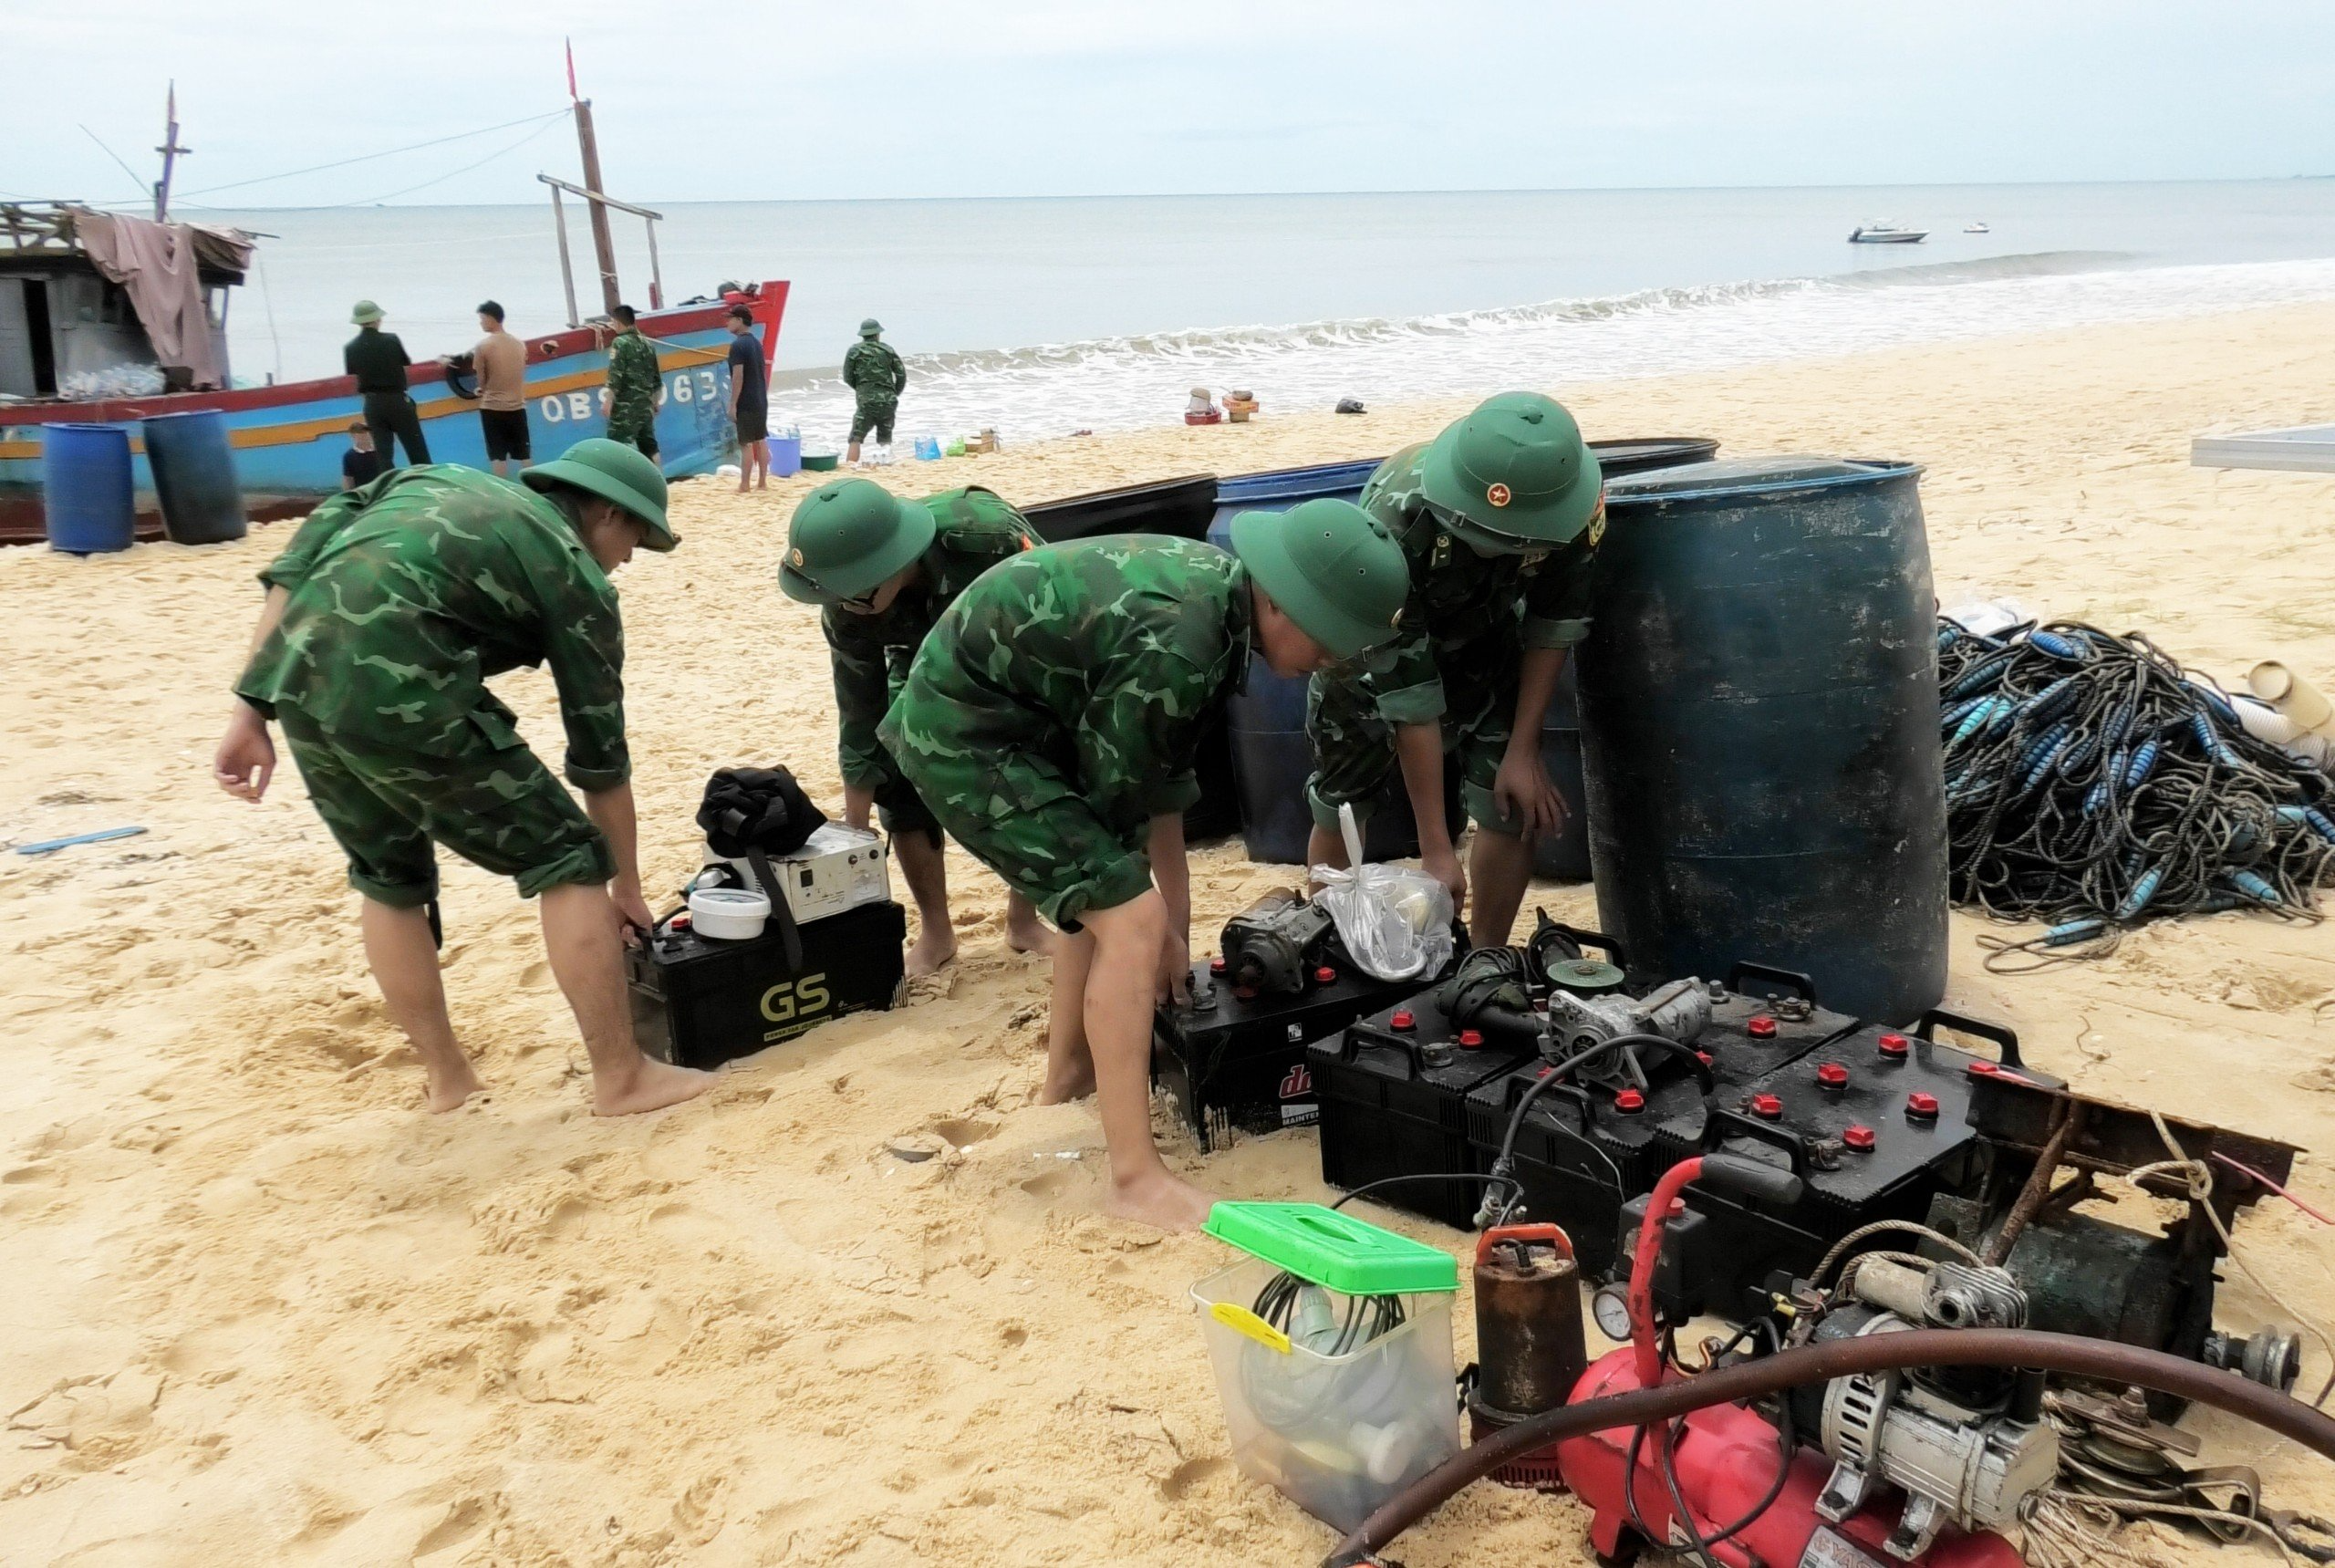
x: 194, y: 477
x: 785, y: 455
x: 86, y: 491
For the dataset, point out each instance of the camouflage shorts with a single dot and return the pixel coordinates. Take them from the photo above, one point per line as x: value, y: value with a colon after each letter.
x: 1022, y: 813
x: 1354, y: 745
x: 492, y: 802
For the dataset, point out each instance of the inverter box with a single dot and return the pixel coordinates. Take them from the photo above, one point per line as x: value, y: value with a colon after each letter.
x: 699, y: 1002
x: 837, y: 868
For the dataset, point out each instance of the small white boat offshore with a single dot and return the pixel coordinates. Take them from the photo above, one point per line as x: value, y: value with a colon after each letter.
x: 1886, y: 235
x: 1976, y: 229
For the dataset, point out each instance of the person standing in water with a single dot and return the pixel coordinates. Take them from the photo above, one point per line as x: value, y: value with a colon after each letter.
x: 876, y: 375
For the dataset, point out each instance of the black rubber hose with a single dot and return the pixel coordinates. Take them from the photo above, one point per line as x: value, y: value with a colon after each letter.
x: 2007, y: 1347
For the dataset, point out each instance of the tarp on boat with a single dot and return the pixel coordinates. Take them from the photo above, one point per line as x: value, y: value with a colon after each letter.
x: 160, y: 266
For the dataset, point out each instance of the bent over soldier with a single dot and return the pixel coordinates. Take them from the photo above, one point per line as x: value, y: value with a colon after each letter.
x: 384, y: 616
x: 1050, y: 721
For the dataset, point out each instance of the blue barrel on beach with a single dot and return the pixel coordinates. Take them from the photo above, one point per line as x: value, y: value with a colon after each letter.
x: 194, y: 477
x: 1267, y: 719
x: 1758, y: 707
x: 87, y: 495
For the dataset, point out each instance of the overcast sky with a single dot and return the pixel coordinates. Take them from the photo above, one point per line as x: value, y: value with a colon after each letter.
x: 1045, y: 98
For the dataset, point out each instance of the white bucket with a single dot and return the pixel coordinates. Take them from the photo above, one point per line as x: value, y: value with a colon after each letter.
x: 728, y: 914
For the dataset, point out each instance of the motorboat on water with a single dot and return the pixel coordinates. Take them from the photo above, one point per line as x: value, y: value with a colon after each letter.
x: 1976, y: 229
x: 1886, y: 235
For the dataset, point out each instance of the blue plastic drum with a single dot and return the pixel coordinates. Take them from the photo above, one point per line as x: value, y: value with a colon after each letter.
x: 87, y: 494
x: 194, y: 477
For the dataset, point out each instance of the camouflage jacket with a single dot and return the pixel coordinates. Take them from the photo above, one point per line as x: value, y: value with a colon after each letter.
x: 1464, y: 605
x: 405, y: 595
x: 1105, y: 656
x: 871, y: 652
x: 632, y: 381
x: 873, y: 372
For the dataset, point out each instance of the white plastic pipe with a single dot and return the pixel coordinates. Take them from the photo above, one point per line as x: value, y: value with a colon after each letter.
x: 2293, y: 696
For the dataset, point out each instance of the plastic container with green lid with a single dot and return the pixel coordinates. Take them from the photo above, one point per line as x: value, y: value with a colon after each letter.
x: 1331, y: 1344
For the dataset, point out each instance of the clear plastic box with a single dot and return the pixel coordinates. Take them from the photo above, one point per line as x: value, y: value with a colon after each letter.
x: 1336, y: 1434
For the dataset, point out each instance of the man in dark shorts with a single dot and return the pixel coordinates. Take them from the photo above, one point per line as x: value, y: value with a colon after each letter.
x: 378, y: 363
x: 385, y: 616
x: 501, y: 360
x: 749, y: 401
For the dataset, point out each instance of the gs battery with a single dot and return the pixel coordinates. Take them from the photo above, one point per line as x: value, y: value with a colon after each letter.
x: 699, y: 1002
x: 1392, y: 1091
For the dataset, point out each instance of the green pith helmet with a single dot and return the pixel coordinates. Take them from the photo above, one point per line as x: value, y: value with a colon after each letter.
x: 848, y: 536
x: 1517, y: 469
x: 1332, y: 567
x: 871, y: 328
x: 616, y: 471
x: 366, y: 314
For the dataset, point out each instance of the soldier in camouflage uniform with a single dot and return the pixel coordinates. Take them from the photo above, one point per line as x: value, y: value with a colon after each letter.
x: 385, y: 616
x: 876, y: 375
x: 883, y: 569
x: 1051, y: 720
x: 1498, y: 518
x: 633, y: 384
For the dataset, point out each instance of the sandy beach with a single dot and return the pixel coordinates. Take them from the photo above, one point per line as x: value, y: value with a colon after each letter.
x: 259, y: 1307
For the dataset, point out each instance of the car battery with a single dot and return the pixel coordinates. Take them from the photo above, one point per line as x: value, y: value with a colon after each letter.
x: 700, y: 1002
x: 837, y: 868
x: 1584, y: 1149
x: 1393, y: 1090
x: 1233, y: 1057
x: 1762, y: 1019
x: 1875, y: 1123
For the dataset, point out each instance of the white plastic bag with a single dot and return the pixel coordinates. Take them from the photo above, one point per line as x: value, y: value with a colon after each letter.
x: 1396, y: 922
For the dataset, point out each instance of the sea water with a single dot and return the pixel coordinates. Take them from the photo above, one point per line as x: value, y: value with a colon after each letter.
x: 1039, y: 318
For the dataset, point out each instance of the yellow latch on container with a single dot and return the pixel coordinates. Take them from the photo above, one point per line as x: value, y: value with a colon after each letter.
x: 1240, y: 1320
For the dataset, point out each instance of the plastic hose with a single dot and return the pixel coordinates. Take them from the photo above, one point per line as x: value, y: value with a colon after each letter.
x: 2003, y: 1347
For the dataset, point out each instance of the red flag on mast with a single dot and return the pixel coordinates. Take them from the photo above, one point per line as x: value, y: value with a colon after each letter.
x: 572, y: 94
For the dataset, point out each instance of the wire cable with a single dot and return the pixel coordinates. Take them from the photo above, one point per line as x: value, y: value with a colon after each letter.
x: 559, y: 113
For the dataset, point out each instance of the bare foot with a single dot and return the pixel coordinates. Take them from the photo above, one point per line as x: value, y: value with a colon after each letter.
x: 1032, y: 935
x: 651, y: 1086
x: 936, y: 945
x: 1075, y: 1085
x: 1160, y: 1199
x: 449, y: 1086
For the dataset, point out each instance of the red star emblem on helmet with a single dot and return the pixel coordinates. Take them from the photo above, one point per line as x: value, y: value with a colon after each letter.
x: 1498, y: 495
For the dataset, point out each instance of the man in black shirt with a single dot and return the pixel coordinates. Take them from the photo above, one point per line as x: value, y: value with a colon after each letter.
x: 378, y: 360
x: 362, y: 464
x: 749, y: 401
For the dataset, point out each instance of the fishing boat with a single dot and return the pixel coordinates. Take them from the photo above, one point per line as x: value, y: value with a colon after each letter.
x: 1886, y: 235
x: 89, y: 336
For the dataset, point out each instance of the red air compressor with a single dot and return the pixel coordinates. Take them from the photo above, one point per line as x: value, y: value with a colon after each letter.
x: 1726, y: 1481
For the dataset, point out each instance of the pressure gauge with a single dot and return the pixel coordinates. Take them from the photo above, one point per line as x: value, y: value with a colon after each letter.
x: 1611, y: 1307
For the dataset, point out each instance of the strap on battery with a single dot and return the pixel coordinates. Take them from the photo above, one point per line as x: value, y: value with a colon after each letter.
x: 780, y: 910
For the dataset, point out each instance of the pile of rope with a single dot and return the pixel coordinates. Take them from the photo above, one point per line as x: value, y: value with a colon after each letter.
x: 2093, y: 784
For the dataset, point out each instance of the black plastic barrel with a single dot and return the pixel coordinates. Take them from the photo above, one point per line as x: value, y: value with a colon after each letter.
x: 88, y: 504
x: 1759, y: 729
x: 1178, y: 507
x: 194, y: 477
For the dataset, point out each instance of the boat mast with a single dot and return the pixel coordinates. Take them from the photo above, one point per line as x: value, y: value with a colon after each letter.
x: 604, y: 244
x: 169, y: 150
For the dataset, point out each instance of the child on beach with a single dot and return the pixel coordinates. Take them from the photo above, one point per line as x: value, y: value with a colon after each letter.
x: 361, y: 464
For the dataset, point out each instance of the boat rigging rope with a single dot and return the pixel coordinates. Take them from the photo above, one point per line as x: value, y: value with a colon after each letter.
x: 2094, y: 784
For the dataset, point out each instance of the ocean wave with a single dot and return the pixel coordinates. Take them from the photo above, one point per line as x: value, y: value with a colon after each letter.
x: 1138, y: 379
